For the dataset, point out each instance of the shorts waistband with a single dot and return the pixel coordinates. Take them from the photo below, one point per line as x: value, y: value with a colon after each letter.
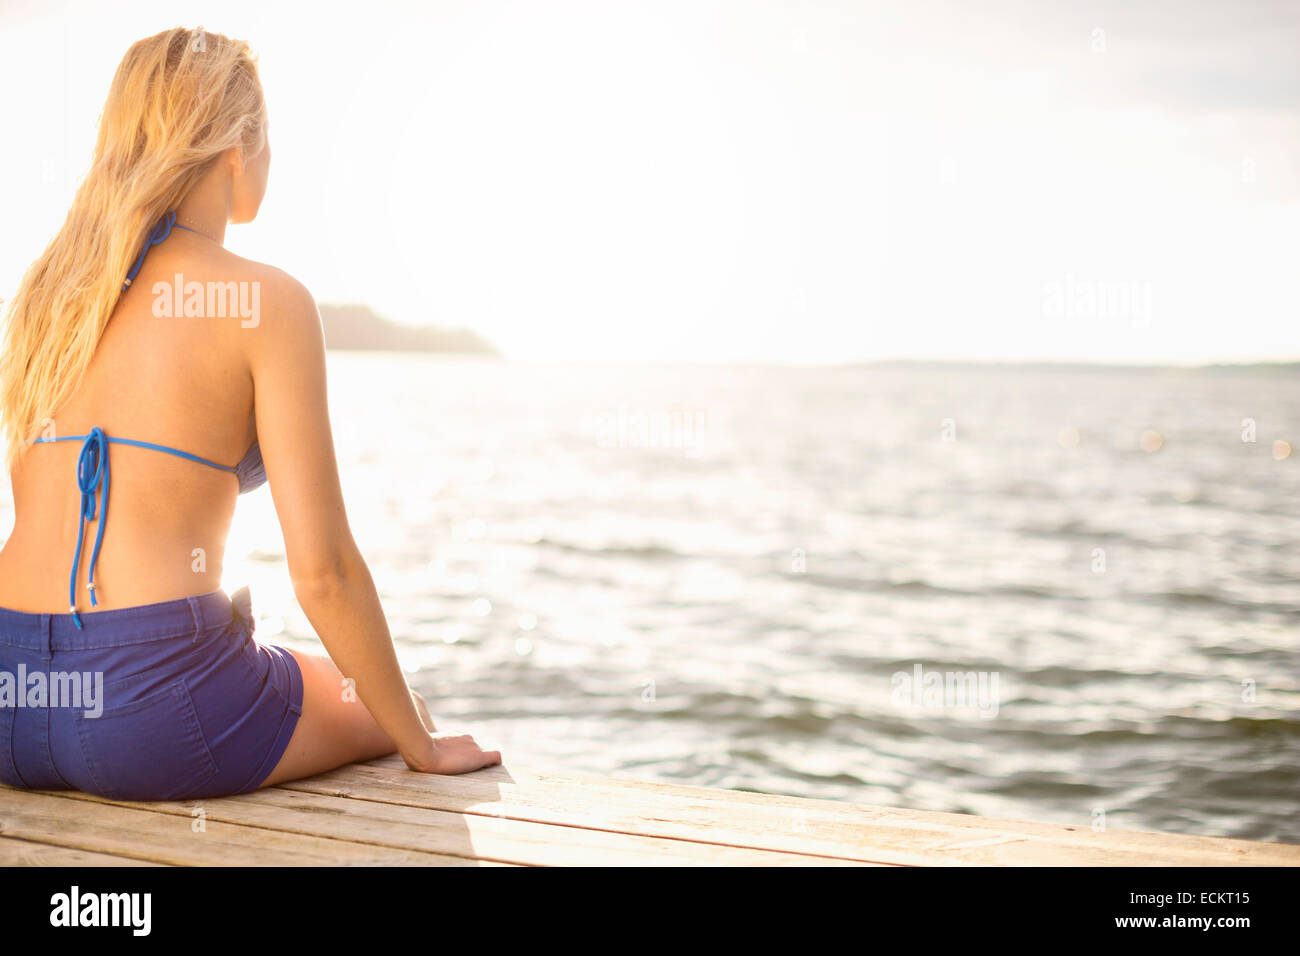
x: 115, y: 627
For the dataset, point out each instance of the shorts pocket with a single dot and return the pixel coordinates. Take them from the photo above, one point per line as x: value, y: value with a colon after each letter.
x: 149, y: 749
x: 8, y: 769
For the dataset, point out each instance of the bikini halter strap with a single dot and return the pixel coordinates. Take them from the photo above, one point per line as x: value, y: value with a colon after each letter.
x: 160, y: 232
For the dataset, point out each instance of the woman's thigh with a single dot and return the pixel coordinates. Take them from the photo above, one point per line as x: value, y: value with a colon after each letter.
x: 335, y: 728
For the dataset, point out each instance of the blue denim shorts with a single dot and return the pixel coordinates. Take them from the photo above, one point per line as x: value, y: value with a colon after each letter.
x: 166, y: 701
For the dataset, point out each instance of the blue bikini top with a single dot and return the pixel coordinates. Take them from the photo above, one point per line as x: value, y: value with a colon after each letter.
x: 92, y: 462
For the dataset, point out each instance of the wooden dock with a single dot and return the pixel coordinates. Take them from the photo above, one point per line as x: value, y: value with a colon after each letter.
x: 379, y: 813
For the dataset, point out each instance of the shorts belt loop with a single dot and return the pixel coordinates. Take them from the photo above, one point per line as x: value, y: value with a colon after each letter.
x: 47, y: 636
x: 196, y: 612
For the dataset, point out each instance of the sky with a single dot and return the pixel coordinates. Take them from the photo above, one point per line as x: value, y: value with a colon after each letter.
x: 751, y: 181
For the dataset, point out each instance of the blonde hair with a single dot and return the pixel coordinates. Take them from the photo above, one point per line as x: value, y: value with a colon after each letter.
x: 178, y: 100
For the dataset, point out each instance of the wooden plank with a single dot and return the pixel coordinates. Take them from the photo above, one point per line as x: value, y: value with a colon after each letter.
x: 792, y: 824
x: 467, y: 835
x: 382, y: 814
x: 145, y: 834
x: 16, y: 852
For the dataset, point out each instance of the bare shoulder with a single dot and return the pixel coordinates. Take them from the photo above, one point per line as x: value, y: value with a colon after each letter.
x: 277, y: 286
x: 285, y: 305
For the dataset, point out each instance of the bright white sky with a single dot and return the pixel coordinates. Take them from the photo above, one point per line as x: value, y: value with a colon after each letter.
x: 748, y: 181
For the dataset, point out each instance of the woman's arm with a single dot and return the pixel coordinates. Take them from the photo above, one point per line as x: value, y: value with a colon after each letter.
x: 286, y: 353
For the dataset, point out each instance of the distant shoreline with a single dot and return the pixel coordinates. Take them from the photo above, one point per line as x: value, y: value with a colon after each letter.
x: 360, y: 328
x: 931, y: 365
x: 1050, y: 365
x: 934, y: 365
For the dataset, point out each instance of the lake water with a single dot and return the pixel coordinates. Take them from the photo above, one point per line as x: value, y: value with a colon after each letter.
x: 733, y: 577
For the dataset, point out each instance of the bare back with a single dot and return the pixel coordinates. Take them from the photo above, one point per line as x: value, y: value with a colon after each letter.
x: 175, y: 381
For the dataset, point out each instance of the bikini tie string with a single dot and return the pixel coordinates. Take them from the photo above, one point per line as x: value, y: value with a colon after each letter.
x: 92, y: 481
x: 160, y: 232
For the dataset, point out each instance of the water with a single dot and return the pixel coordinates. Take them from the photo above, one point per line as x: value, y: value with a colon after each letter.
x: 712, y: 574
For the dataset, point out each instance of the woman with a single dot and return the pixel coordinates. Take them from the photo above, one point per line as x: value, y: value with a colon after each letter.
x: 137, y: 677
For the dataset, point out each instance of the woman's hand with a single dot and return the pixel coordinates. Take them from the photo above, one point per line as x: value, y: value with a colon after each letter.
x: 451, y: 754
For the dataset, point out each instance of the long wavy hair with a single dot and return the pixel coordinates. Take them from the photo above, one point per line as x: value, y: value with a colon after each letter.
x: 179, y: 99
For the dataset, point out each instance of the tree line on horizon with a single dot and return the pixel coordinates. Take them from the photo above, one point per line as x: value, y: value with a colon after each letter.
x: 361, y: 327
